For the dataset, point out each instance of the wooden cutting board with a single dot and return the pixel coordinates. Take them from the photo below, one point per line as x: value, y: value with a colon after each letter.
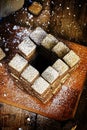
x: 64, y: 104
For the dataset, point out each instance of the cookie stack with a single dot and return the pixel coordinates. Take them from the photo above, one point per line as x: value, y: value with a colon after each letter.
x: 46, y: 84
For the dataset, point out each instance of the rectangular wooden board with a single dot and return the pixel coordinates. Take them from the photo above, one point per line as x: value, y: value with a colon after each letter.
x: 63, y: 105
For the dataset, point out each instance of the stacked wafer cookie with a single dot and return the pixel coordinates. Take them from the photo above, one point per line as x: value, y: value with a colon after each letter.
x: 2, y: 54
x: 46, y: 84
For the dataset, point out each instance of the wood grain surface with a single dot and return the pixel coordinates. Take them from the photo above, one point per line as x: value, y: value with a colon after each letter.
x: 58, y: 19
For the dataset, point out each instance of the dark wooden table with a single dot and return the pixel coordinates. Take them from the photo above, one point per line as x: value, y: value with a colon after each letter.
x: 13, y: 118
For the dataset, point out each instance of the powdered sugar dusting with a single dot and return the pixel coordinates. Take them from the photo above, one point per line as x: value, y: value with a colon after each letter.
x: 15, y: 27
x: 10, y: 83
x: 64, y: 88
